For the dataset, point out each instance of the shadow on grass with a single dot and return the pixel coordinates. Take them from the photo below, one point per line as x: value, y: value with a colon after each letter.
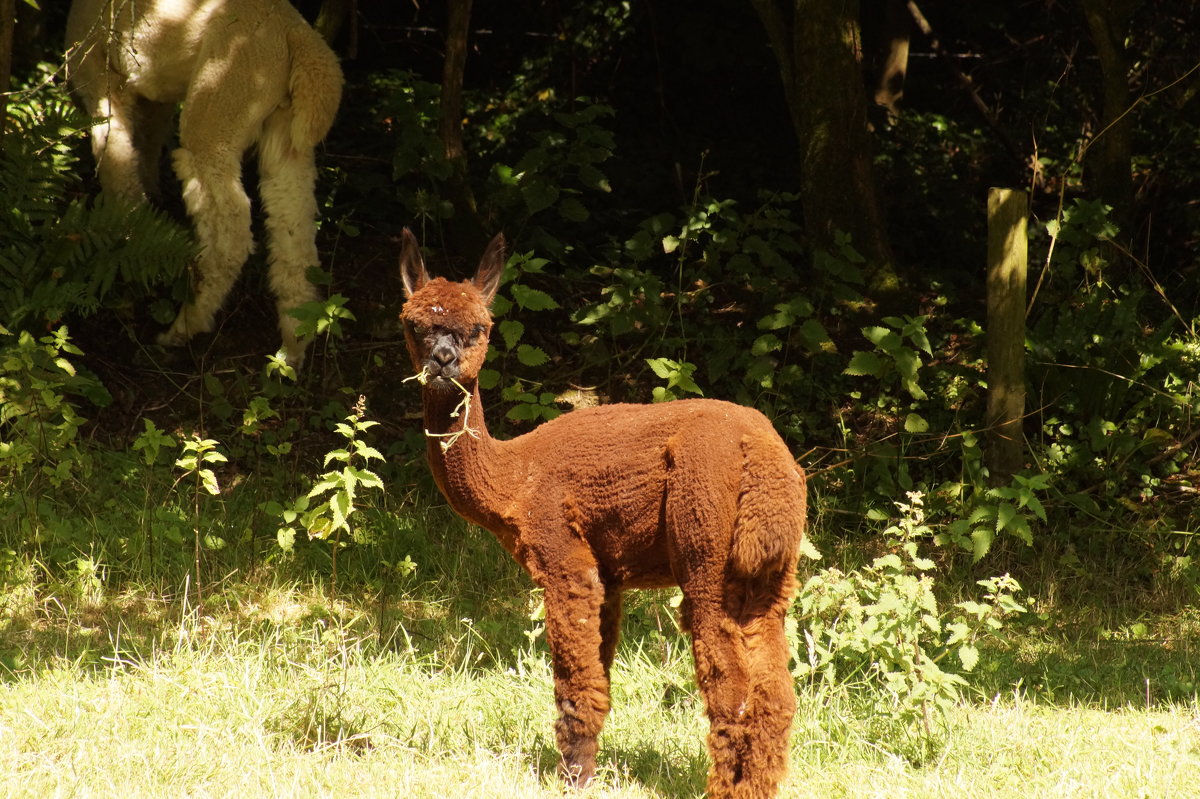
x: 671, y: 775
x: 466, y: 604
x: 1131, y: 658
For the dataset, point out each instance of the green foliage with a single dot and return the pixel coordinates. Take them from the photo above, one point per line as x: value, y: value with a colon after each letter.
x: 39, y: 415
x: 883, y: 628
x: 999, y: 511
x: 561, y: 167
x: 335, y: 491
x: 684, y: 283
x: 58, y: 254
x: 198, y: 453
x: 527, y: 404
x: 1113, y: 364
x: 892, y: 358
x: 322, y: 317
x: 678, y: 377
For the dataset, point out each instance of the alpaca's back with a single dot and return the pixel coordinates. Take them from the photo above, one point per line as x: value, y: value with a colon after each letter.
x: 230, y: 59
x: 620, y: 471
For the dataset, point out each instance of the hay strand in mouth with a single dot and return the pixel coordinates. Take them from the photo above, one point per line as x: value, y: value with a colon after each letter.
x: 463, y: 408
x: 421, y: 377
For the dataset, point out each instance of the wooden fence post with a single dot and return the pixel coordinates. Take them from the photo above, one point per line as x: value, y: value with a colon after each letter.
x: 1007, y: 262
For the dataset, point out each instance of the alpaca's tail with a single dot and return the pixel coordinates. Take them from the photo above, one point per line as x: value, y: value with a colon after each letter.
x: 315, y: 86
x: 770, y: 511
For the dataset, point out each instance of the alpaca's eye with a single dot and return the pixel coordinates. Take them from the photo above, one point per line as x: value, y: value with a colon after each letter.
x: 477, y: 331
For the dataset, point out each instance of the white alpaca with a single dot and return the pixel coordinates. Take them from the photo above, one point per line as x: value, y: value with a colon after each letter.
x: 248, y: 72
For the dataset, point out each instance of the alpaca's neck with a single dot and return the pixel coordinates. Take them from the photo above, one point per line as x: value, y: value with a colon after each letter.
x: 469, y: 471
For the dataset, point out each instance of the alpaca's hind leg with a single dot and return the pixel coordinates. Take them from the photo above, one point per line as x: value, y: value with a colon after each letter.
x: 610, y: 626
x: 771, y: 703
x: 288, y: 179
x: 741, y: 658
x: 723, y: 676
x: 220, y: 212
x: 574, y: 599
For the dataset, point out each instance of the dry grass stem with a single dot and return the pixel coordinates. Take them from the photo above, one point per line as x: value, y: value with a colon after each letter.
x: 463, y: 408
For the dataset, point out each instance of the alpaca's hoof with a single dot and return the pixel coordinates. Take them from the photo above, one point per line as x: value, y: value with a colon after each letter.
x: 292, y: 356
x: 172, y: 338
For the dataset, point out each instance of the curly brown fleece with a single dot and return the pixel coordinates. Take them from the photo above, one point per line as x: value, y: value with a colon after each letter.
x: 697, y: 493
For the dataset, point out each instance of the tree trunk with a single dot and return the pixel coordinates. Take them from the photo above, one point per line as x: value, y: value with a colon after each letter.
x: 466, y: 231
x: 8, y: 15
x: 1108, y: 162
x: 817, y: 45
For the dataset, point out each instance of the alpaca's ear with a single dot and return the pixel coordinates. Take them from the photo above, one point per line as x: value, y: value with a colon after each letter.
x: 412, y: 265
x: 491, y: 267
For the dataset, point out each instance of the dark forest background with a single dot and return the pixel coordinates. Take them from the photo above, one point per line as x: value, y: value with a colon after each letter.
x: 782, y: 204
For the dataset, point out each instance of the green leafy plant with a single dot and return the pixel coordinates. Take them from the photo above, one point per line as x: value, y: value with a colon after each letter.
x: 882, y: 627
x: 892, y: 358
x: 527, y: 404
x: 198, y: 454
x: 678, y: 376
x: 1002, y: 510
x: 322, y: 318
x: 39, y: 417
x: 335, y: 491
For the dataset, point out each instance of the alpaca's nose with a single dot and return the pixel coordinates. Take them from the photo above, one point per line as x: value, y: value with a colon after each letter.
x: 443, y: 355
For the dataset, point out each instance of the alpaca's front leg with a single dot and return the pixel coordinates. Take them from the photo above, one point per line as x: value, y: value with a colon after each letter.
x: 119, y: 162
x: 574, y: 598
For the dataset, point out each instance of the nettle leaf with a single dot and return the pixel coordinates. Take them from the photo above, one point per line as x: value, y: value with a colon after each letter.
x: 1005, y: 514
x: 572, y: 210
x: 539, y: 195
x: 488, y: 378
x: 593, y: 178
x: 768, y: 342
x: 968, y: 656
x: 531, y: 356
x: 981, y: 542
x: 683, y: 380
x: 660, y: 366
x: 882, y: 337
x: 532, y: 299
x: 864, y: 363
x: 915, y: 423
x: 815, y: 337
x: 1035, y: 505
x: 918, y: 337
x: 511, y: 330
x: 525, y: 412
x: 341, y: 506
x: 501, y: 305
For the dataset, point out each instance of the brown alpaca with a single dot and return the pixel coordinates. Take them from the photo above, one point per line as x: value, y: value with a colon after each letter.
x: 697, y: 493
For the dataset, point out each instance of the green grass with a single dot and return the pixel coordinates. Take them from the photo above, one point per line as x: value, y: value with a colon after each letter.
x: 435, y: 681
x: 283, y: 690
